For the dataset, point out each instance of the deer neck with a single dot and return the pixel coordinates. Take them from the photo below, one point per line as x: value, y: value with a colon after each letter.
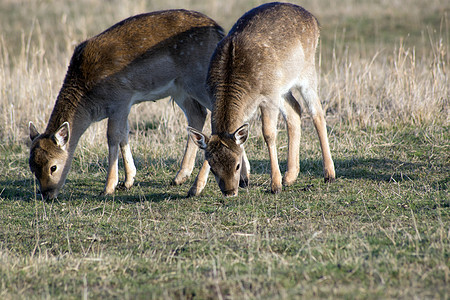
x: 231, y: 111
x: 227, y: 115
x: 69, y: 108
x: 232, y: 85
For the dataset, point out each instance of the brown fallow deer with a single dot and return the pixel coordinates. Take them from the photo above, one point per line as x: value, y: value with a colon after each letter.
x: 268, y: 53
x: 143, y: 58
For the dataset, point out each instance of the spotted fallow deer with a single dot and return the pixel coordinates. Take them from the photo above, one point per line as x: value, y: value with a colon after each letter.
x: 143, y: 58
x: 268, y: 53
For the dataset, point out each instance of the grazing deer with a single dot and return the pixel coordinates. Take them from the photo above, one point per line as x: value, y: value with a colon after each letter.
x: 143, y: 58
x: 269, y: 52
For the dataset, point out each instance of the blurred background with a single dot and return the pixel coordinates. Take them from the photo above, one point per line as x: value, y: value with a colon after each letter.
x: 380, y: 62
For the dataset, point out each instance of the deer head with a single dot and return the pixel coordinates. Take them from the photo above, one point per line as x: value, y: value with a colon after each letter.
x: 224, y: 154
x: 48, y: 158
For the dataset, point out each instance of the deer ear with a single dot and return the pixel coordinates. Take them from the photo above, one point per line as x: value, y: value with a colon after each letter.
x: 61, y: 136
x: 241, y: 134
x: 33, y: 131
x: 198, y: 138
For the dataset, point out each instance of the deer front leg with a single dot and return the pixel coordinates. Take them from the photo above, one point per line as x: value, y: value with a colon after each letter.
x: 128, y: 162
x: 130, y: 168
x: 200, y: 180
x: 269, y: 125
x: 187, y: 163
x: 245, y: 171
x: 196, y: 116
x: 117, y: 134
x: 112, y: 177
x: 293, y: 123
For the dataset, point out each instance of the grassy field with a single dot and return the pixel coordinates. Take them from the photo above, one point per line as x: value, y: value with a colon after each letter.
x: 382, y: 230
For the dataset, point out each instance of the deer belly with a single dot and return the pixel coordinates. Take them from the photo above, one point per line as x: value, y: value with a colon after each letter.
x: 156, y: 93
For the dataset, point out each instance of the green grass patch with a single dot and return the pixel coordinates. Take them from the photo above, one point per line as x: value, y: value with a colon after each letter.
x: 381, y: 230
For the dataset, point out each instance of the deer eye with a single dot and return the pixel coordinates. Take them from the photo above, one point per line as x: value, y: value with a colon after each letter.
x: 52, y: 169
x: 238, y: 166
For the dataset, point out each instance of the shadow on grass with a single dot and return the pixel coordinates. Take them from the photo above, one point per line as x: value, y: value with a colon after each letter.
x: 75, y: 190
x: 355, y: 168
x: 379, y: 169
x: 155, y: 189
x: 17, y: 190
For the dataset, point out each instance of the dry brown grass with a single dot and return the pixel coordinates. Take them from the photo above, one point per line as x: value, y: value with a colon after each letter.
x: 381, y: 78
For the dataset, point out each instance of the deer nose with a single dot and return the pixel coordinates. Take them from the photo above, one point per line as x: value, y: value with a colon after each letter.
x: 227, y: 188
x: 49, y: 194
x: 230, y: 193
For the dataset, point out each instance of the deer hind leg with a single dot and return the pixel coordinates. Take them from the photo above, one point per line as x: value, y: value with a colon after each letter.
x: 269, y: 127
x: 309, y: 94
x: 196, y: 116
x: 293, y: 122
